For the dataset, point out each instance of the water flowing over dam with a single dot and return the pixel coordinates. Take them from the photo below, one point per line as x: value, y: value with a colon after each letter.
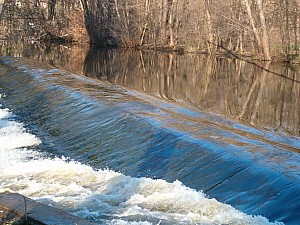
x: 117, y: 155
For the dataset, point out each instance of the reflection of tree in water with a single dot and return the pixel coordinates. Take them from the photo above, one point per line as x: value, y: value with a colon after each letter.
x: 228, y: 87
x: 68, y: 57
x: 225, y: 86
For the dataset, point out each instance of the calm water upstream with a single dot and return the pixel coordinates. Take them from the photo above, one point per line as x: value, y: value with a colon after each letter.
x: 131, y: 137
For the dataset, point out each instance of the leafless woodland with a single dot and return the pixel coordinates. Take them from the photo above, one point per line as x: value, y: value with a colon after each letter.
x: 264, y: 28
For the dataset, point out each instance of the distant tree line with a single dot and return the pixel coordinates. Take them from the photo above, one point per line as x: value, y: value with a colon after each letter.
x: 42, y: 20
x: 267, y: 28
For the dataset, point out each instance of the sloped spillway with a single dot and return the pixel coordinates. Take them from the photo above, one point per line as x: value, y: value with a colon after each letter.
x: 117, y: 156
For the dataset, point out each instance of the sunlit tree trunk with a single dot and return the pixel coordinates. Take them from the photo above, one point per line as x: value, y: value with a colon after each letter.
x: 1, y: 8
x: 265, y: 38
x: 296, y: 25
x: 262, y: 40
x: 171, y: 6
x: 210, y: 35
x: 146, y: 20
x: 251, y: 19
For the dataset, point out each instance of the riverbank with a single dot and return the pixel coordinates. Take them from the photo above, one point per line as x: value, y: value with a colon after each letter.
x: 222, y: 52
x: 292, y: 60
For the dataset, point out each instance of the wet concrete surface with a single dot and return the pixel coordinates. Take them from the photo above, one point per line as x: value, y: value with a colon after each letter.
x: 16, y: 207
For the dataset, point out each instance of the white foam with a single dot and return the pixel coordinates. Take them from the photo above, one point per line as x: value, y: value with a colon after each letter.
x: 13, y: 134
x: 2, y: 95
x: 85, y: 192
x: 4, y: 113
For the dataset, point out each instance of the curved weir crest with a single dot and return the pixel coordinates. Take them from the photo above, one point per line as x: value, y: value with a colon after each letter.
x: 169, y: 158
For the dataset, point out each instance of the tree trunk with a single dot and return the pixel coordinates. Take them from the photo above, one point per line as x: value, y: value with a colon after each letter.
x: 90, y: 25
x: 287, y: 36
x: 296, y: 25
x: 210, y: 35
x: 265, y: 38
x: 171, y: 23
x: 51, y: 9
x: 262, y: 40
x: 255, y: 30
x: 1, y: 8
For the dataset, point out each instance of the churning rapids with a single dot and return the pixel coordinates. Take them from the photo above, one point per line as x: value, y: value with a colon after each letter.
x: 117, y: 156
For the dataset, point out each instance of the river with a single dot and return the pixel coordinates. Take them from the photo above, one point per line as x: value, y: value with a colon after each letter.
x: 132, y: 137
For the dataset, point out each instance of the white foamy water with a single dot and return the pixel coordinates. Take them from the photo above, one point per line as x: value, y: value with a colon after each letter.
x: 104, y: 195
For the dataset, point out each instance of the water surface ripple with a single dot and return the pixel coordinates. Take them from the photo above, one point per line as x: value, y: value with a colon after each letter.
x: 106, y: 126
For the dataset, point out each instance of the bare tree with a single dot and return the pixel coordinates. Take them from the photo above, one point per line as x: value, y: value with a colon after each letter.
x: 265, y: 38
x: 253, y: 27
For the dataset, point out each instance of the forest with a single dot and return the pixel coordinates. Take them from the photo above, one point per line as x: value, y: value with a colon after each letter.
x: 262, y: 29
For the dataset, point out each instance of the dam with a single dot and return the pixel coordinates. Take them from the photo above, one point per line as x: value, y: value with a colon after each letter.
x: 114, y: 154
